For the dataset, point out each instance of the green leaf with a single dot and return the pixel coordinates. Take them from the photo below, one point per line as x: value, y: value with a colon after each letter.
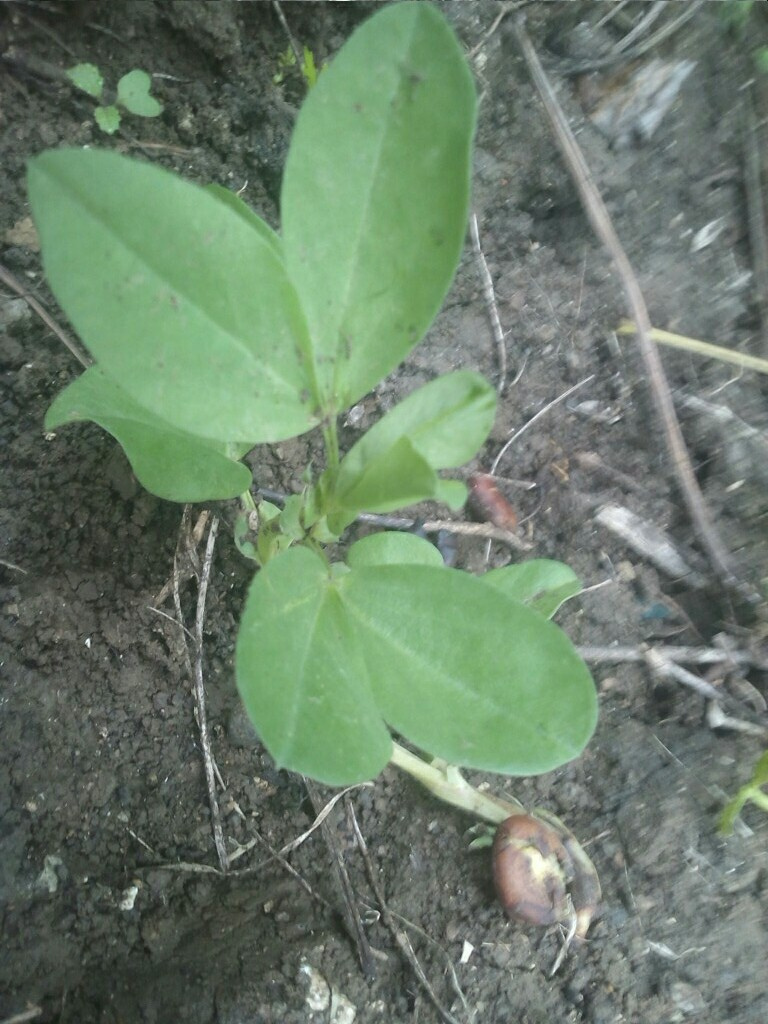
x: 443, y: 423
x: 171, y: 464
x: 234, y: 202
x: 452, y: 493
x: 107, y: 118
x: 301, y: 675
x: 466, y: 673
x: 176, y: 296
x: 375, y: 195
x: 390, y: 548
x: 133, y: 93
x: 541, y: 583
x: 459, y: 669
x: 446, y: 421
x: 393, y: 479
x: 88, y: 78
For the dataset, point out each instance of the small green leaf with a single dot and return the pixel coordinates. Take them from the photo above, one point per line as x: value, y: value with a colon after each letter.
x: 446, y: 420
x: 390, y: 548
x: 444, y: 423
x: 107, y: 118
x: 133, y: 93
x: 375, y: 195
x: 393, y: 479
x: 88, y: 78
x: 243, y: 537
x: 176, y: 296
x: 308, y: 68
x: 234, y: 202
x: 541, y: 583
x: 301, y: 675
x: 169, y: 463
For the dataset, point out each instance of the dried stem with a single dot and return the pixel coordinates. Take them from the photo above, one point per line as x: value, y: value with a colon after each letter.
x: 603, y: 227
x: 202, y: 718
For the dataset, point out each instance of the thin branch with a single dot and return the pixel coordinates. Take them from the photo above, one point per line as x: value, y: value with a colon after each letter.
x: 598, y: 215
x: 490, y: 298
x: 15, y: 285
x: 678, y: 655
x: 202, y: 718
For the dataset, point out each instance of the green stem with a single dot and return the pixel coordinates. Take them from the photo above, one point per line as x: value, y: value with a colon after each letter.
x: 246, y: 500
x: 448, y: 784
x: 331, y: 439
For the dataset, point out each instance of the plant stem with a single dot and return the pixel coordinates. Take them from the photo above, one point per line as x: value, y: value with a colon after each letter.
x: 331, y: 439
x: 246, y: 499
x: 448, y: 784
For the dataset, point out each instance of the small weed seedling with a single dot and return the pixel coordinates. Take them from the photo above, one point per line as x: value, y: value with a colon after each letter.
x: 752, y: 792
x: 212, y: 334
x: 308, y: 68
x: 133, y: 95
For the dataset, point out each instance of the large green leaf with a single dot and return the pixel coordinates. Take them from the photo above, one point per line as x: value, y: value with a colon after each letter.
x: 466, y: 673
x: 540, y: 582
x: 301, y: 675
x: 375, y: 194
x: 180, y: 301
x: 169, y: 463
x: 460, y: 670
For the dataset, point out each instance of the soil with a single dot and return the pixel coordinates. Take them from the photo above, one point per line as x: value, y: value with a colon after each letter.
x: 111, y: 907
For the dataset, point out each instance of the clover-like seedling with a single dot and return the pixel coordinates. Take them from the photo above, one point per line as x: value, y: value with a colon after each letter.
x: 212, y: 334
x: 133, y: 95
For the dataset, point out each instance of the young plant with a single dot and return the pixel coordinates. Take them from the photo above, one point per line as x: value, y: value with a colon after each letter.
x: 752, y: 792
x: 212, y: 334
x: 133, y: 95
x: 287, y: 60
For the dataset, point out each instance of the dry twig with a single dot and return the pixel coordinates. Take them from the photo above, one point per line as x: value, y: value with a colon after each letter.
x: 200, y: 712
x: 603, y: 227
x: 490, y: 298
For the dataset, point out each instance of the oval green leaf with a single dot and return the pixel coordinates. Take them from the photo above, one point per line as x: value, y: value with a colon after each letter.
x: 542, y: 583
x: 167, y: 462
x: 466, y: 673
x: 301, y: 675
x: 176, y: 296
x: 446, y: 421
x: 390, y: 548
x: 375, y: 194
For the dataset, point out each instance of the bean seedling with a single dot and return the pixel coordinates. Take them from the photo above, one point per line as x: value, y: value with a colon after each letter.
x: 212, y: 334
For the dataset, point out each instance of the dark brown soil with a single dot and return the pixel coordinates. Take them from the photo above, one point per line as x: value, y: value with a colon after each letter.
x: 107, y: 912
